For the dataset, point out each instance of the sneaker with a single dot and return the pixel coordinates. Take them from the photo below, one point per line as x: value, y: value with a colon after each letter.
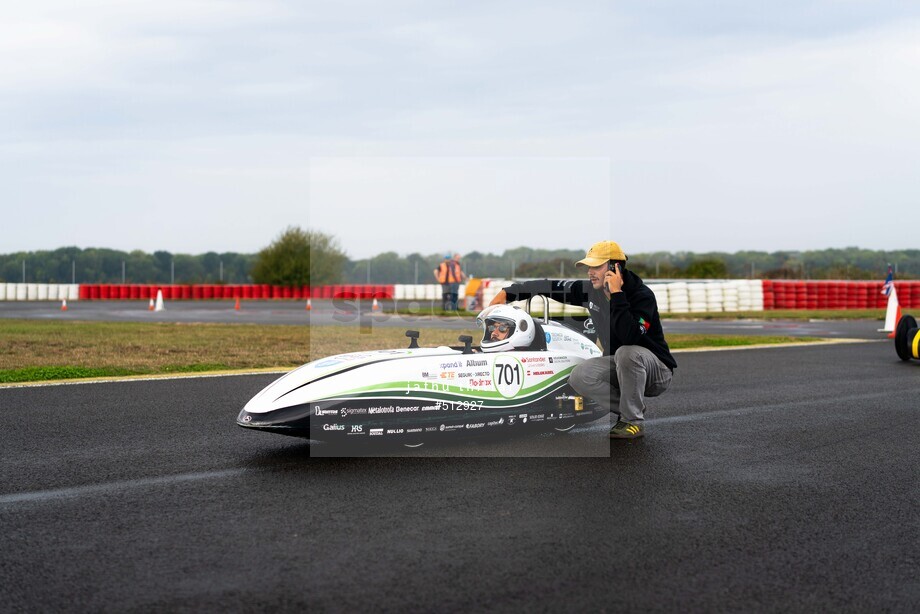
x: 625, y: 430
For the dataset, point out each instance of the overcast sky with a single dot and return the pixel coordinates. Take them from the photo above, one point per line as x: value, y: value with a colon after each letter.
x: 203, y: 125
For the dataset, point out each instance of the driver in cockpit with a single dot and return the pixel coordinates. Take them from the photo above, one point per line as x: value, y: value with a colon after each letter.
x: 505, y: 328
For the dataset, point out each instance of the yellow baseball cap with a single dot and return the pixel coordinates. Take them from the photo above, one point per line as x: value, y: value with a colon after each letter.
x: 601, y: 253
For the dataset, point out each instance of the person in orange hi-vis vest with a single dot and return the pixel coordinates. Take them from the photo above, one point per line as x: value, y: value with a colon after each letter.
x: 449, y: 274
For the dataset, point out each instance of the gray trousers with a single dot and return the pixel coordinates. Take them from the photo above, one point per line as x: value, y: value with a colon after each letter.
x: 621, y: 382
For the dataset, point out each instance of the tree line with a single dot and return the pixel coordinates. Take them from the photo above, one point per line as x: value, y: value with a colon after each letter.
x: 299, y: 257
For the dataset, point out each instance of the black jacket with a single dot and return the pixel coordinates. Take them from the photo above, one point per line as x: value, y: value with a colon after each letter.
x: 630, y: 317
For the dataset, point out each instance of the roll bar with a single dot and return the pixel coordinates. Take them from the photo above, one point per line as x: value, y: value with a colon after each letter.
x: 545, y: 307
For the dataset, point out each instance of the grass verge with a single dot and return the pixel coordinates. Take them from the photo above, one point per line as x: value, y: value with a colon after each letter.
x: 51, y: 350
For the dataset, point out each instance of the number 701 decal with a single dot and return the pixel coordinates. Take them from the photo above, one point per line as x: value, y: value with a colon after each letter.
x: 508, y: 375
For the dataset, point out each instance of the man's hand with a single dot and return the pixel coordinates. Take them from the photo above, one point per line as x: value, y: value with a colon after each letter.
x: 500, y: 299
x: 613, y: 280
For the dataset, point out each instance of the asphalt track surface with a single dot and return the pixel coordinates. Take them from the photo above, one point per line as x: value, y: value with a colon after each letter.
x: 781, y: 479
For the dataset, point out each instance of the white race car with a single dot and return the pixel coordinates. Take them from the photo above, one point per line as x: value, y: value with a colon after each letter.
x: 516, y: 376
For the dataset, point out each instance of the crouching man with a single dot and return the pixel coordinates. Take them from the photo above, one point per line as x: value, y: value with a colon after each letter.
x: 637, y: 362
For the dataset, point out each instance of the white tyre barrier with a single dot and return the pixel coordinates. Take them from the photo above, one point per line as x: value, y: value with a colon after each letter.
x: 41, y: 293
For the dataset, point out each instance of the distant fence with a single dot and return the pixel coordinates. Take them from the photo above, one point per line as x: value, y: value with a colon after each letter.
x: 672, y: 296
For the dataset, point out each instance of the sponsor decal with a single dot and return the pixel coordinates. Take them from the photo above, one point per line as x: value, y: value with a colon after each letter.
x: 356, y: 429
x: 389, y: 409
x: 566, y: 415
x: 247, y: 418
x: 476, y: 425
x: 395, y: 431
x: 466, y: 374
x: 477, y: 363
x: 324, y: 412
x: 448, y: 375
x: 644, y: 326
x: 481, y: 374
x: 477, y: 383
x: 495, y: 423
x: 431, y: 429
x: 353, y: 411
x: 327, y: 363
x: 542, y: 372
x: 450, y: 365
x: 560, y: 359
x: 511, y: 420
x: 523, y: 418
x: 429, y: 375
x: 588, y: 326
x: 333, y: 427
x: 435, y: 407
x: 593, y: 307
x: 548, y: 337
x: 417, y: 430
x: 533, y: 360
x: 443, y: 427
x: 375, y: 432
x: 537, y: 418
x: 401, y: 409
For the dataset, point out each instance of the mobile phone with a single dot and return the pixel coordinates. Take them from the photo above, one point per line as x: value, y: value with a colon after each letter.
x: 612, y: 266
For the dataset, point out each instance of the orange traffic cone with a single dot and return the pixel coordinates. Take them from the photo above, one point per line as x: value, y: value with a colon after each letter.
x: 64, y: 305
x: 309, y: 305
x: 237, y: 306
x: 150, y: 307
x: 897, y: 318
x: 375, y: 306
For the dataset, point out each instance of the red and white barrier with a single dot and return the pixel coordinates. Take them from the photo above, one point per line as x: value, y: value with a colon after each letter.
x: 682, y: 296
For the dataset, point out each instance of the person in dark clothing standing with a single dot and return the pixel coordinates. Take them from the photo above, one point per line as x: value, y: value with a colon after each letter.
x: 637, y: 362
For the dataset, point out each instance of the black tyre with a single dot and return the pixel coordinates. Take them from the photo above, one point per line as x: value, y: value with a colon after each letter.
x: 901, y: 342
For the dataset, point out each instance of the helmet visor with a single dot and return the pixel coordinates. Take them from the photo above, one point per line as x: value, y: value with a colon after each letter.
x: 497, y: 329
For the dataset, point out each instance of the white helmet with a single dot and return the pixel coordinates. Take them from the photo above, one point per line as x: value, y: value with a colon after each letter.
x: 510, y: 326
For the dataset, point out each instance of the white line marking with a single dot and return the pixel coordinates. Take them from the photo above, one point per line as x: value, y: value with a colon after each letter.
x: 142, y: 378
x: 97, y: 489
